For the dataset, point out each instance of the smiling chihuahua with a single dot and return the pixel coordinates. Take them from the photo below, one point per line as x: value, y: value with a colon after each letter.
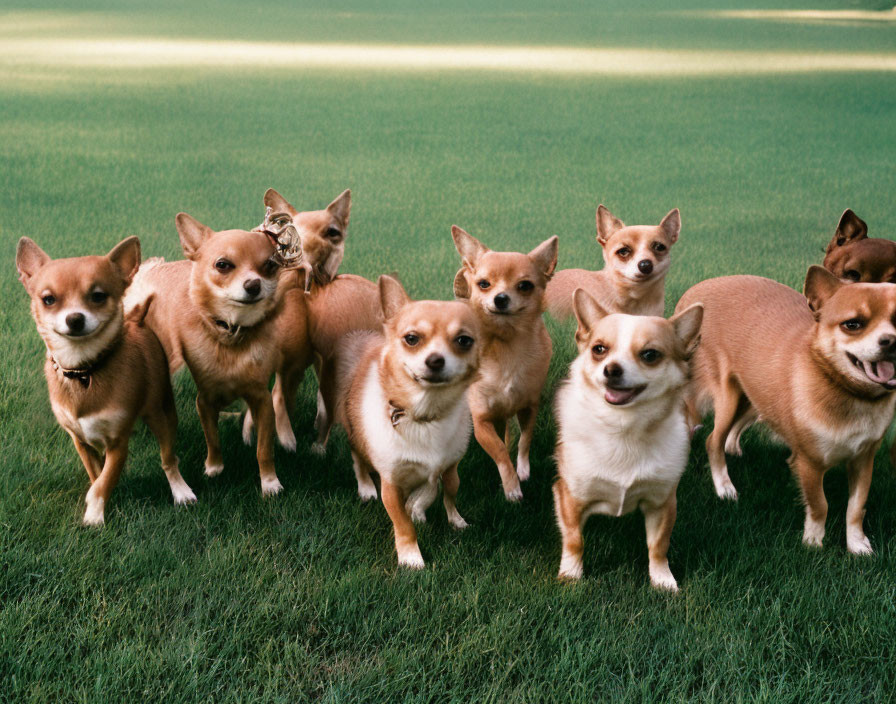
x: 506, y: 289
x: 633, y: 278
x: 103, y: 369
x: 623, y: 440
x: 819, y: 372
x: 224, y: 312
x: 401, y: 397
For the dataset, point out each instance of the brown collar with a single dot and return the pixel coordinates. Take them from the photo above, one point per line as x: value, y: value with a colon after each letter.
x: 84, y: 375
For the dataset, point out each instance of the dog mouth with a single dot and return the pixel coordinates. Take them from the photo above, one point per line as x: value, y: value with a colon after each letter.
x: 620, y: 397
x: 499, y: 311
x: 880, y: 372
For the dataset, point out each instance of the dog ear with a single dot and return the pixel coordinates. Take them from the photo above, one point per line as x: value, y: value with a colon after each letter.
x: 819, y: 287
x: 671, y: 225
x: 588, y: 314
x: 192, y: 234
x: 341, y: 207
x: 687, y: 326
x: 545, y: 256
x: 278, y: 203
x: 607, y: 224
x: 126, y: 256
x: 392, y: 296
x: 468, y: 247
x: 29, y: 259
x: 461, y: 285
x: 850, y: 229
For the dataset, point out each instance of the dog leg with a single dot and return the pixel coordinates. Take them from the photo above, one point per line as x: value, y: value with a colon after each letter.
x: 208, y: 416
x: 262, y: 407
x: 405, y: 535
x: 89, y: 458
x: 366, y: 487
x: 450, y: 485
x: 162, y: 423
x: 248, y: 427
x: 282, y: 400
x: 859, y: 473
x: 569, y: 518
x: 490, y: 440
x: 326, y: 402
x: 99, y: 491
x: 526, y: 417
x: 421, y: 499
x: 726, y: 404
x: 811, y: 479
x: 658, y: 523
x: 746, y: 416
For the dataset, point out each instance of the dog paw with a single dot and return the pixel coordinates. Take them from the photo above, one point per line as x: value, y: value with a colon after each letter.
x: 514, y: 495
x: 858, y: 544
x: 319, y: 448
x: 411, y: 557
x: 213, y: 470
x: 570, y: 567
x: 367, y: 492
x: 183, y: 494
x: 287, y: 439
x: 418, y: 515
x: 457, y: 521
x: 93, y: 515
x: 661, y: 578
x: 522, y: 469
x: 270, y: 486
x: 813, y: 534
x: 725, y: 489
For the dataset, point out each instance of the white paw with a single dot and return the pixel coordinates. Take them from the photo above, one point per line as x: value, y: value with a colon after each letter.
x: 93, y: 516
x: 724, y: 488
x: 858, y: 544
x: 661, y: 578
x: 514, y: 495
x: 213, y: 470
x: 522, y: 469
x: 411, y: 557
x: 367, y: 491
x: 732, y: 446
x: 813, y: 534
x: 248, y: 428
x: 270, y: 486
x: 319, y: 448
x: 418, y: 515
x: 287, y: 439
x: 457, y: 521
x: 570, y: 567
x: 182, y: 493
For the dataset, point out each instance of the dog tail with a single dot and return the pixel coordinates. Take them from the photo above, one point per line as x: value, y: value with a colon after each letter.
x: 141, y: 288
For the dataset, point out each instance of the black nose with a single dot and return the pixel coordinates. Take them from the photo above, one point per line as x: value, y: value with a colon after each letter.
x: 436, y: 362
x: 886, y: 341
x: 502, y: 300
x: 75, y: 321
x: 252, y: 286
x: 645, y: 266
x: 613, y: 370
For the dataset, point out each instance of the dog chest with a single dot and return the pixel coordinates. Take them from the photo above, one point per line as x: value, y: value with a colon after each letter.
x: 96, y: 429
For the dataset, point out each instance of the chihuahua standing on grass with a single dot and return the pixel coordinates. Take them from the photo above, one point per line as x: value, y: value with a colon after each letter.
x: 506, y: 289
x: 104, y: 369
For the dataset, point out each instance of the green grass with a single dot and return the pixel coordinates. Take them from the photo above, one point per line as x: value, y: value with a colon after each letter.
x: 239, y: 598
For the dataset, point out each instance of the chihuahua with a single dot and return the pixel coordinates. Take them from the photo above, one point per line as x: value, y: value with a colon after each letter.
x: 506, y: 289
x: 227, y: 314
x: 104, y: 369
x: 818, y: 370
x: 623, y: 439
x: 855, y: 257
x: 636, y: 260
x: 401, y: 397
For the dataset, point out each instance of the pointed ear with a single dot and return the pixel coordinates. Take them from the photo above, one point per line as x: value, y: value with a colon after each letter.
x: 126, y: 256
x: 192, y: 234
x: 341, y: 207
x: 671, y: 225
x: 278, y: 203
x: 29, y: 259
x: 819, y: 287
x: 545, y: 256
x: 687, y: 326
x: 392, y: 296
x: 468, y: 247
x: 331, y: 266
x: 607, y: 224
x: 850, y: 229
x: 461, y: 285
x: 588, y: 314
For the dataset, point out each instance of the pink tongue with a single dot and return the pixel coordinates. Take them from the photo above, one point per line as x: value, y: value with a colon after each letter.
x: 881, y: 372
x: 617, y: 396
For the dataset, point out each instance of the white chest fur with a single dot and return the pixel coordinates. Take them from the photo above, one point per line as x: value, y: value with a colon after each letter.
x: 615, y: 459
x: 96, y: 429
x: 411, y: 453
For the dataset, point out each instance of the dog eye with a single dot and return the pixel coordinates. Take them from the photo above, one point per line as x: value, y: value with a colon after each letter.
x: 852, y: 275
x: 411, y: 339
x: 224, y: 266
x: 98, y: 297
x: 525, y: 286
x: 599, y: 350
x: 48, y: 300
x: 333, y: 233
x: 270, y: 266
x: 483, y: 284
x: 659, y: 247
x: 650, y: 356
x: 623, y: 252
x: 464, y: 341
x: 853, y: 324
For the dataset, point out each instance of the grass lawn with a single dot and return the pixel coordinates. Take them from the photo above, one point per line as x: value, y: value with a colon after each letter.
x: 299, y: 597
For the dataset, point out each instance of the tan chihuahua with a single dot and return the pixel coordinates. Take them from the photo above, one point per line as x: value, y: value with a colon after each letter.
x: 227, y: 314
x: 855, y: 257
x: 506, y: 289
x: 820, y: 373
x: 401, y: 396
x: 103, y: 369
x: 636, y: 260
x: 623, y: 440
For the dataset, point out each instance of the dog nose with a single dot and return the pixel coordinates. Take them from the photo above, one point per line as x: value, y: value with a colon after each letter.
x: 75, y: 321
x: 613, y: 370
x: 502, y: 300
x: 252, y: 286
x: 886, y: 341
x: 645, y: 266
x: 436, y: 362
